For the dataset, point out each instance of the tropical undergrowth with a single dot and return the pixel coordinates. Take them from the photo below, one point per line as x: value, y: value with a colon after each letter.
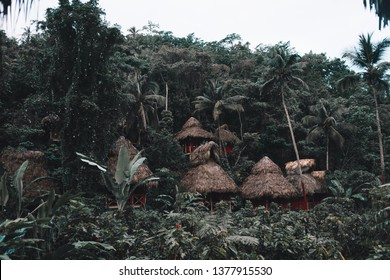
x: 82, y: 229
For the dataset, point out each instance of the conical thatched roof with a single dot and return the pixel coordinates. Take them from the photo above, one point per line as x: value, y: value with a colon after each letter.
x: 223, y: 134
x: 266, y: 180
x: 193, y: 129
x: 207, y: 178
x: 306, y: 165
x: 204, y: 153
x: 312, y: 186
x: 266, y: 165
x: 143, y: 171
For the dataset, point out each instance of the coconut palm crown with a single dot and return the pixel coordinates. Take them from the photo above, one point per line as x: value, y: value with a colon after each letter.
x: 323, y: 122
x: 215, y: 100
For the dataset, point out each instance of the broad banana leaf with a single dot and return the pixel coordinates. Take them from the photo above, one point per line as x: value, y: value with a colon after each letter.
x: 86, y: 159
x: 4, y: 195
x: 18, y: 183
x: 122, y: 165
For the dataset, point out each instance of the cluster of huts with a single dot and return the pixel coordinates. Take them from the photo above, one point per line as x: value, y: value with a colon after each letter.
x: 264, y: 185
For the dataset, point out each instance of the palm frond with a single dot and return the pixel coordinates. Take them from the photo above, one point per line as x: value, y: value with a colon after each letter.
x: 347, y: 82
x: 233, y: 107
x: 382, y: 85
x: 236, y: 99
x: 300, y: 82
x: 202, y: 103
x: 339, y: 111
x: 153, y: 88
x: 155, y: 99
x: 356, y: 60
x: 379, y: 50
x: 293, y: 61
x: 347, y: 127
x: 314, y: 134
x: 365, y: 51
x: 336, y: 137
x: 278, y: 61
x: 383, y: 67
x: 309, y: 121
x: 329, y: 122
x: 266, y: 87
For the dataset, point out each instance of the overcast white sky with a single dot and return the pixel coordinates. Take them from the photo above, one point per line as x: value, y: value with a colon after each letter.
x: 330, y: 26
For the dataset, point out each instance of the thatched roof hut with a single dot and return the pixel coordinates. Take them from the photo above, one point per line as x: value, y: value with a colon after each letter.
x: 193, y: 129
x: 319, y: 175
x: 11, y: 159
x: 224, y: 135
x: 267, y: 181
x: 143, y: 171
x: 307, y: 165
x: 207, y: 176
x: 312, y: 186
x: 204, y: 153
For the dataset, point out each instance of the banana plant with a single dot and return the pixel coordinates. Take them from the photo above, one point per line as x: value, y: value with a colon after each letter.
x: 18, y: 184
x: 4, y: 195
x: 121, y: 185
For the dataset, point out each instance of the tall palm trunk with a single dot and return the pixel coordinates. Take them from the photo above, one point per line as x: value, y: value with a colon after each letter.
x: 380, y: 137
x: 143, y: 116
x: 239, y: 118
x: 296, y: 151
x: 327, y: 152
x: 166, y: 96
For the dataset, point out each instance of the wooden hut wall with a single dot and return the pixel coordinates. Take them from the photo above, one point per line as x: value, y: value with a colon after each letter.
x: 190, y: 144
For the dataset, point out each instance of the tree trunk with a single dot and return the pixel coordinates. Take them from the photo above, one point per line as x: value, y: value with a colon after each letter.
x: 166, y: 96
x: 143, y: 116
x: 380, y: 138
x: 296, y: 151
x: 239, y: 118
x: 327, y: 152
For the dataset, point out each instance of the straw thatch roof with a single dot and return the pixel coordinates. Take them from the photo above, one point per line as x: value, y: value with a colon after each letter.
x: 266, y: 180
x: 193, y: 129
x: 143, y: 171
x: 312, y: 186
x: 207, y: 178
x: 204, y: 153
x: 11, y: 159
x: 306, y: 166
x: 319, y: 175
x: 223, y: 134
x: 266, y: 165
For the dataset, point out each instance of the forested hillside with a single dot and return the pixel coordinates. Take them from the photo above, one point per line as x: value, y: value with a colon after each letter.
x: 69, y: 91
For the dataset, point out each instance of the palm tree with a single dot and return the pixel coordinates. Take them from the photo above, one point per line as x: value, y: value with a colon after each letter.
x: 368, y: 57
x: 21, y: 4
x: 216, y: 101
x: 283, y: 69
x: 146, y: 98
x: 321, y: 124
x: 382, y: 9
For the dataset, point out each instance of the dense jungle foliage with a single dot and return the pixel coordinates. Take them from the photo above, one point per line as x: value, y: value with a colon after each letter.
x: 95, y: 84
